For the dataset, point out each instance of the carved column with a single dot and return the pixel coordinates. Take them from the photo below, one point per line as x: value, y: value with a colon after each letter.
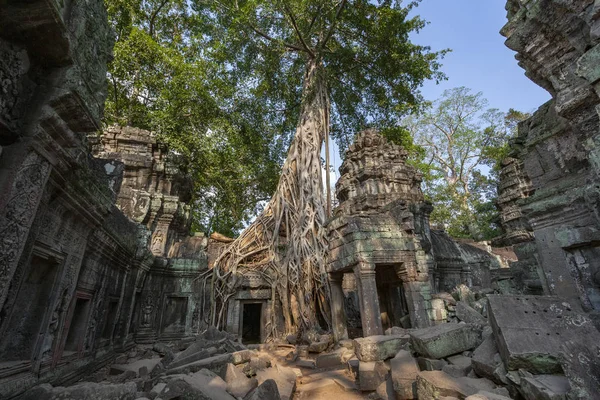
x: 18, y: 214
x: 338, y: 315
x: 370, y: 312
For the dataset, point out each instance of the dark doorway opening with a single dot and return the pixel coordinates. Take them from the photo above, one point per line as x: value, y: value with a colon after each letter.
x: 78, y: 326
x: 392, y: 302
x: 251, y: 323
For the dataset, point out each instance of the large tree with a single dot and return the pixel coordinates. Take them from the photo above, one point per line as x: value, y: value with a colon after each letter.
x: 312, y: 67
x: 464, y: 143
x: 159, y: 81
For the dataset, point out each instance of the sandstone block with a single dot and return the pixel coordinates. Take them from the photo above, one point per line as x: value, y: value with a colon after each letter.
x: 238, y: 385
x: 446, y: 339
x: 317, y: 347
x: 484, y: 395
x: 404, y: 371
x: 545, y: 387
x: 468, y: 314
x: 485, y: 358
x: 430, y: 364
x: 379, y: 347
x: 371, y: 374
x: 435, y: 384
x: 265, y: 391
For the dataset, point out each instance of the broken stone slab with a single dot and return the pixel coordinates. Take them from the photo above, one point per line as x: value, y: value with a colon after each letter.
x: 545, y: 387
x: 306, y: 363
x: 379, y: 347
x: 530, y: 330
x: 468, y: 314
x: 318, y: 347
x: 396, y: 330
x: 385, y: 391
x: 430, y: 364
x: 187, y: 357
x: 284, y: 377
x: 347, y: 343
x: 484, y: 395
x: 267, y: 390
x: 486, y: 358
x: 404, y: 370
x: 242, y: 356
x: 371, y: 374
x: 214, y: 363
x: 460, y: 363
x: 447, y: 297
x: 435, y: 384
x: 203, y: 384
x: 82, y: 391
x: 445, y: 339
x: 334, y: 359
x: 581, y: 365
x: 137, y: 366
x: 238, y: 385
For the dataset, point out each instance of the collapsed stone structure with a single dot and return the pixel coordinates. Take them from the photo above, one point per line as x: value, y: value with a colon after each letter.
x: 549, y: 191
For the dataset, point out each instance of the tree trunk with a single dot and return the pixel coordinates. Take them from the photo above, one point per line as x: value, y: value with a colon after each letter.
x: 287, y: 242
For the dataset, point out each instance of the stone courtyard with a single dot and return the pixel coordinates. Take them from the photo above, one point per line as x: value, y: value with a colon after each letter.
x: 105, y: 294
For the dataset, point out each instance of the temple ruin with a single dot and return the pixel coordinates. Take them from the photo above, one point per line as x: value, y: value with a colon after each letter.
x: 105, y: 294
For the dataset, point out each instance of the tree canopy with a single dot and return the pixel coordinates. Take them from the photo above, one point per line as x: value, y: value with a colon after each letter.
x: 464, y: 144
x: 159, y: 80
x: 372, y: 70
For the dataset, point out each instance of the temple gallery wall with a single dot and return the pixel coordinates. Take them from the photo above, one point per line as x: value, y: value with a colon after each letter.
x: 97, y: 259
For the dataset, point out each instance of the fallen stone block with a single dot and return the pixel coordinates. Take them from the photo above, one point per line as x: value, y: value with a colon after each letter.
x: 283, y: 376
x: 214, y: 364
x: 430, y: 364
x: 379, y: 347
x: 404, y: 371
x: 189, y: 357
x: 306, y: 363
x: 371, y: 374
x: 445, y: 340
x: 468, y: 314
x: 460, y: 363
x: 545, y: 387
x: 267, y: 390
x: 435, y: 384
x: 486, y: 359
x: 581, y: 366
x: 318, y: 347
x: 385, y: 390
x: 347, y: 343
x: 483, y: 395
x: 83, y: 391
x: 353, y: 364
x: 238, y: 385
x: 530, y: 330
x: 396, y: 330
x: 243, y: 356
x: 454, y: 371
x: 334, y: 359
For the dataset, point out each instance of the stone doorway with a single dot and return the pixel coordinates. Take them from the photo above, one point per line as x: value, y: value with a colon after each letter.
x: 392, y: 301
x: 76, y: 329
x: 25, y: 325
x: 251, y: 323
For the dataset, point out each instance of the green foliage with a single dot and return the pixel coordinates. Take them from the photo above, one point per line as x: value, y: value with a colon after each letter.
x: 464, y: 145
x: 160, y: 80
x: 372, y: 70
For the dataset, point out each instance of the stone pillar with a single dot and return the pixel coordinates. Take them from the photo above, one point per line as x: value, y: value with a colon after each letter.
x: 338, y: 314
x: 418, y: 298
x: 370, y: 312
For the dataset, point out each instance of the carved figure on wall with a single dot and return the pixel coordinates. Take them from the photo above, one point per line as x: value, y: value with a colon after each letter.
x: 147, y: 310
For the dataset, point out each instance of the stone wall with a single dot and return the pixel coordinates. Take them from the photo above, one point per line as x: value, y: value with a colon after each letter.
x: 84, y: 242
x: 555, y: 201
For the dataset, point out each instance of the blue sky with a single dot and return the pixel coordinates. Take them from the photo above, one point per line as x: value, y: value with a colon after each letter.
x: 479, y: 59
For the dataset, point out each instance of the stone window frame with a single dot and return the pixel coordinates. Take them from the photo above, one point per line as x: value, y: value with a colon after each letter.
x: 80, y: 353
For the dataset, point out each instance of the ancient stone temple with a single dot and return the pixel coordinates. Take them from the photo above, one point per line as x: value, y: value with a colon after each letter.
x: 549, y: 191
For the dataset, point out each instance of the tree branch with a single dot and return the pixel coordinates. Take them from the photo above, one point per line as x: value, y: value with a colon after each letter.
x: 295, y: 25
x: 154, y: 15
x: 332, y: 27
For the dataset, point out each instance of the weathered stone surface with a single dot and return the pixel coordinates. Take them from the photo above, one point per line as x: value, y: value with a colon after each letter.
x: 486, y: 359
x: 267, y: 390
x: 215, y: 364
x: 238, y: 385
x: 283, y: 376
x: 242, y: 356
x: 468, y: 314
x: 371, y: 374
x: 483, y: 395
x: 404, y: 370
x: 581, y: 365
x: 434, y: 384
x: 317, y: 347
x: 334, y: 359
x: 446, y: 339
x: 306, y: 363
x: 84, y: 390
x: 379, y: 348
x: 529, y: 330
x: 545, y: 387
x: 430, y: 364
